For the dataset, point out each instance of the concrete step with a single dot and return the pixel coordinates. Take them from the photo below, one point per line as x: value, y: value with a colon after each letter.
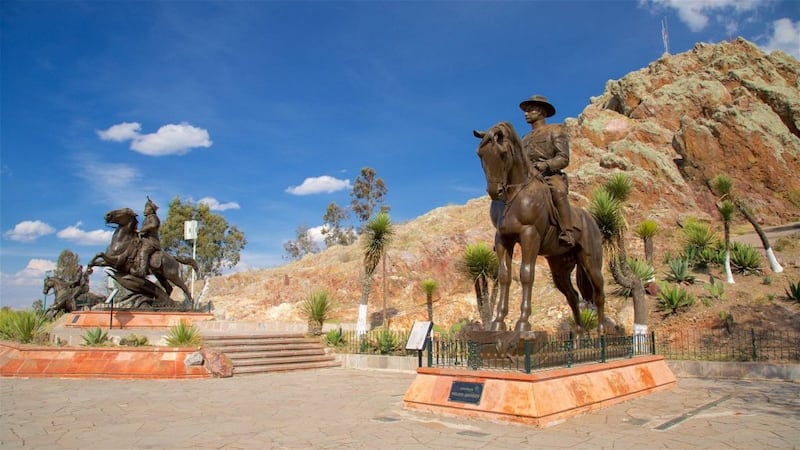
x: 259, y: 353
x: 244, y: 370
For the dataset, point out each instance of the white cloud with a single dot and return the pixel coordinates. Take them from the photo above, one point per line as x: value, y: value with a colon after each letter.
x: 29, y: 231
x: 172, y: 139
x: 785, y: 36
x: 695, y: 13
x: 78, y: 236
x: 31, y: 275
x: 215, y: 205
x: 315, y: 234
x: 121, y: 132
x: 104, y: 176
x: 318, y: 185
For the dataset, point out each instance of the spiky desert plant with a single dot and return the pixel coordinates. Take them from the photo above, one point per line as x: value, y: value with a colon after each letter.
x: 23, y: 326
x: 378, y: 234
x: 673, y: 298
x: 588, y: 318
x: 429, y: 285
x: 95, y: 337
x: 317, y: 308
x: 184, y: 335
x: 793, y: 291
x: 646, y: 230
x: 480, y: 264
x: 679, y: 271
x: 745, y: 259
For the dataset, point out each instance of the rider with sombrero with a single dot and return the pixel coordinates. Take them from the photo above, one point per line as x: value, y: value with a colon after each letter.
x: 547, y: 147
x: 148, y: 235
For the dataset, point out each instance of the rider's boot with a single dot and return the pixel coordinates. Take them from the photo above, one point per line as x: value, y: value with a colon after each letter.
x: 565, y: 215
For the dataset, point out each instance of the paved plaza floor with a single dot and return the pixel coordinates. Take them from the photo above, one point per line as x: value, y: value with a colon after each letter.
x: 362, y: 409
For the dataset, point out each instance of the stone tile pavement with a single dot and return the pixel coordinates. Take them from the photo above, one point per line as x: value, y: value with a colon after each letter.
x: 362, y: 409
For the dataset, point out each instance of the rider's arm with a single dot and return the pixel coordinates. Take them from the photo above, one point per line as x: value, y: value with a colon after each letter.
x: 560, y: 141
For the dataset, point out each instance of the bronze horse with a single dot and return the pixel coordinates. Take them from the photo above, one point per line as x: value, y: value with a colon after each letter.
x: 522, y: 212
x: 122, y: 252
x: 64, y: 298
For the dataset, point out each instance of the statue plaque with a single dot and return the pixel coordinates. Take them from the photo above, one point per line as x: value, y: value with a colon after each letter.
x: 466, y: 392
x: 416, y: 339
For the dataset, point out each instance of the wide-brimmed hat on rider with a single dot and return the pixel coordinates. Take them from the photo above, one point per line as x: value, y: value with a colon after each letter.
x: 539, y: 100
x: 150, y: 206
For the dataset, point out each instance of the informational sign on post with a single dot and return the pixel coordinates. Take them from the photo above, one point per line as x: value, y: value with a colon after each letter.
x: 416, y: 339
x: 190, y: 230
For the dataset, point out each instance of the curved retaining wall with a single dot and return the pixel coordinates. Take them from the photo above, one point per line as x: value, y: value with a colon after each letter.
x: 21, y: 360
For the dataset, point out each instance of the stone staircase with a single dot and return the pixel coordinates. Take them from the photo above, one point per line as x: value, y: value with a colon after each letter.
x: 260, y: 353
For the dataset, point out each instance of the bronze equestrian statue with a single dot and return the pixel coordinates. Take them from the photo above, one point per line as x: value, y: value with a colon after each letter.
x: 126, y: 250
x: 68, y: 294
x: 523, y: 211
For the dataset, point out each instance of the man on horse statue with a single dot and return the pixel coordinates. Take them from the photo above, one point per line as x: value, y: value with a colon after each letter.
x: 148, y: 235
x: 547, y: 147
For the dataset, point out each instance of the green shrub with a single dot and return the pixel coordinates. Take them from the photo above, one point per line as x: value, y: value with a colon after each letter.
x: 745, y: 259
x: 793, y: 291
x: 386, y: 342
x: 673, y: 298
x: 183, y: 335
x: 133, y: 340
x: 22, y: 326
x: 95, y: 337
x: 697, y: 236
x: 767, y: 280
x: 726, y: 319
x: 588, y: 318
x: 679, y: 271
x: 334, y: 338
x: 454, y: 329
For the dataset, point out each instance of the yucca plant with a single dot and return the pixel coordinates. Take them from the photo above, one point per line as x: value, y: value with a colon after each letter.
x: 95, y: 337
x: 619, y: 186
x: 793, y: 291
x: 316, y: 309
x: 673, y: 298
x: 745, y: 259
x: 646, y: 231
x: 24, y: 326
x: 698, y: 238
x: 679, y: 271
x: 183, y: 335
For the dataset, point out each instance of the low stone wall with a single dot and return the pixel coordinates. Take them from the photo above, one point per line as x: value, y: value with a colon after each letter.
x: 379, y: 362
x: 21, y: 360
x: 736, y: 370
x: 121, y: 319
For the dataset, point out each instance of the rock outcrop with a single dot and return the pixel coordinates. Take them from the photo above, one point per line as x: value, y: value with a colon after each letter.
x: 672, y: 126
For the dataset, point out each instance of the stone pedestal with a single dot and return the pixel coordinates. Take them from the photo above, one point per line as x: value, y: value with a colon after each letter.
x: 540, y: 398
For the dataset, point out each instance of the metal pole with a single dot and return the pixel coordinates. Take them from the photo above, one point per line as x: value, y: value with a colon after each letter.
x: 194, y: 257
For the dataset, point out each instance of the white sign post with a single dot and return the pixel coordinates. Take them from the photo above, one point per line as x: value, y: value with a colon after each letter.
x: 190, y: 234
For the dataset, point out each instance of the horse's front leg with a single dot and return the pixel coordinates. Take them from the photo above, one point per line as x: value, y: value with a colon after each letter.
x: 504, y: 252
x: 530, y: 249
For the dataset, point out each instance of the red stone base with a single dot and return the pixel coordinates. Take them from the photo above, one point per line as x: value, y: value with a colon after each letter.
x: 541, y: 398
x: 21, y: 360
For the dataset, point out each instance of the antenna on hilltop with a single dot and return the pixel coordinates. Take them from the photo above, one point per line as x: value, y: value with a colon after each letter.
x: 665, y: 35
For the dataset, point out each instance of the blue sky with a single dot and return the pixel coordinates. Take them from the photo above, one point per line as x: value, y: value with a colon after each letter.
x: 268, y: 110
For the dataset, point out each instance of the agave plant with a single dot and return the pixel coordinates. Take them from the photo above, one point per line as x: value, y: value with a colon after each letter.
x: 641, y: 269
x: 673, y: 298
x: 793, y: 291
x: 745, y: 259
x: 21, y: 326
x: 95, y: 337
x: 588, y: 318
x: 679, y: 271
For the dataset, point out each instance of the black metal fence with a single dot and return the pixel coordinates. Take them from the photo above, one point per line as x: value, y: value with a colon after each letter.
x: 737, y: 345
x: 542, y: 352
x: 565, y: 350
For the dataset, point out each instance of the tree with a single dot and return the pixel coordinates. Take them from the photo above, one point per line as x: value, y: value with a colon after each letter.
x: 722, y: 185
x: 218, y: 244
x: 645, y: 231
x: 606, y: 208
x: 429, y: 285
x: 378, y: 234
x: 367, y: 194
x: 68, y: 267
x: 301, y: 246
x: 726, y: 209
x: 480, y: 265
x: 334, y: 230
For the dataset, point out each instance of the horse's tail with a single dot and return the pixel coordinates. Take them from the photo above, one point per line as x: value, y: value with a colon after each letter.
x: 189, y: 261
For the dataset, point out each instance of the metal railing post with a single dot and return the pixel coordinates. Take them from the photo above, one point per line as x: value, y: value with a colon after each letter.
x: 527, y: 356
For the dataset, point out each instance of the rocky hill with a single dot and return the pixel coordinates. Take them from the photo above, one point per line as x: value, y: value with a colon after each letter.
x: 672, y: 126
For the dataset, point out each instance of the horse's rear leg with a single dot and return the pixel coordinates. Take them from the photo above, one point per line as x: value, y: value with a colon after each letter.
x: 562, y: 272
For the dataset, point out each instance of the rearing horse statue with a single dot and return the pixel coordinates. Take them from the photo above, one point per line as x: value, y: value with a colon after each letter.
x: 123, y: 250
x: 522, y: 212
